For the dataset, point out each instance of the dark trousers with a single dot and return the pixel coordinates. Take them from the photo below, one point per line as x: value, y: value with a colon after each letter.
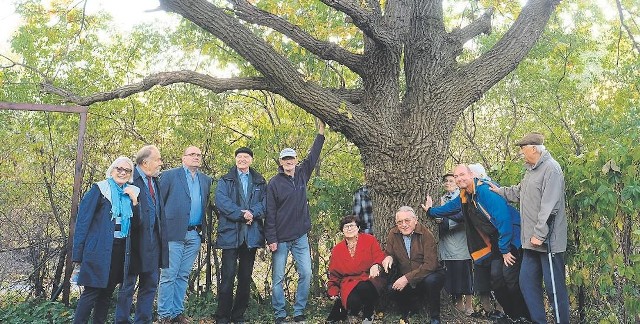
x: 99, y: 299
x: 429, y: 287
x: 363, y: 297
x: 505, y: 284
x: 535, y: 268
x: 235, y: 262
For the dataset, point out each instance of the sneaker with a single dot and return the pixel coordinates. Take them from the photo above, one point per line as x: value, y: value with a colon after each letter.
x: 299, y: 319
x: 281, y: 320
x: 164, y: 320
x: 368, y: 320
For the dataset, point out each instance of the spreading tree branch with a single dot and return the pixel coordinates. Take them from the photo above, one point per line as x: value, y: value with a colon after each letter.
x: 216, y: 85
x: 325, y: 50
x: 480, y: 75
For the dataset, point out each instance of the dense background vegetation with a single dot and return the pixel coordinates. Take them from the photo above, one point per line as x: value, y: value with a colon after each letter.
x: 580, y: 86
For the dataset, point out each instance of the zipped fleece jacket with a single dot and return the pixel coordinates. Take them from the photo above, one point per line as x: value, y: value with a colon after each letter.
x: 540, y: 194
x: 490, y: 220
x: 287, y: 205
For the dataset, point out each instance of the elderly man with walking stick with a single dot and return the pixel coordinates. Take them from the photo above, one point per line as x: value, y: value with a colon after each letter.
x: 544, y: 229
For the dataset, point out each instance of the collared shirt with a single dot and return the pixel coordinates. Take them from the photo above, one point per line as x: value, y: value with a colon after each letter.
x: 195, y: 212
x: 244, y: 180
x: 407, y: 243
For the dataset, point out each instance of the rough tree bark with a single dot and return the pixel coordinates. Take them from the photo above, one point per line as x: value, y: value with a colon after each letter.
x: 412, y: 89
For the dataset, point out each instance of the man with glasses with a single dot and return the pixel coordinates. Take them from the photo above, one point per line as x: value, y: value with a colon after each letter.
x: 287, y: 224
x: 148, y: 247
x: 413, y: 248
x: 240, y: 199
x: 185, y: 191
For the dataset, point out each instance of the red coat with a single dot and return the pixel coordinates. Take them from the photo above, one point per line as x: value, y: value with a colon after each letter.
x: 345, y: 272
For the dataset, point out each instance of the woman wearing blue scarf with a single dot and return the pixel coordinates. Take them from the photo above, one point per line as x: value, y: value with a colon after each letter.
x: 104, y: 221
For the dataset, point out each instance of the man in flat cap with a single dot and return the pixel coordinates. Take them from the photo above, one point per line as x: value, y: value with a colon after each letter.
x: 287, y: 224
x: 240, y: 199
x: 544, y: 229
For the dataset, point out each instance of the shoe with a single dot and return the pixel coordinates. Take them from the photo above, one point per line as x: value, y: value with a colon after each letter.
x: 522, y: 320
x: 181, y: 319
x: 406, y: 318
x: 435, y: 321
x: 281, y: 320
x: 368, y: 320
x: 164, y: 320
x: 299, y: 319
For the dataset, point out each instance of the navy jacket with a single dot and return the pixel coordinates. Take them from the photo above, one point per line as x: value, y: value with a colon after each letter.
x: 287, y: 205
x: 177, y: 202
x: 93, y: 238
x: 149, y: 245
x: 229, y: 205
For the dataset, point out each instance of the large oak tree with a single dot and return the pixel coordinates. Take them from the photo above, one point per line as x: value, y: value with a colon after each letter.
x: 412, y: 84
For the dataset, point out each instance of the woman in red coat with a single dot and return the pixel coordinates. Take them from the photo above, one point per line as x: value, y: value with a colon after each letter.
x: 354, y: 269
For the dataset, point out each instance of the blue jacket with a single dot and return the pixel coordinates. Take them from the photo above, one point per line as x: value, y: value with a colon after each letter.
x: 93, y: 238
x: 149, y: 245
x: 485, y: 213
x: 177, y: 202
x: 229, y: 206
x: 287, y: 206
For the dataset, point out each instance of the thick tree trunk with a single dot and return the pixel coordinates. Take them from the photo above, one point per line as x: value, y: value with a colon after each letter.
x: 402, y: 170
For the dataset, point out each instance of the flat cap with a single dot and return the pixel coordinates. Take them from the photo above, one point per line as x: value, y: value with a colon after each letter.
x: 531, y: 139
x: 244, y: 150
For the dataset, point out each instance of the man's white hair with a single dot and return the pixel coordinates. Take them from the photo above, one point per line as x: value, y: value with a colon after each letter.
x: 407, y: 209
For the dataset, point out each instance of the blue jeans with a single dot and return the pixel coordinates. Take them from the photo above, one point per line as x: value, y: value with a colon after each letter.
x: 302, y: 256
x: 535, y: 268
x: 175, y: 278
x: 148, y: 282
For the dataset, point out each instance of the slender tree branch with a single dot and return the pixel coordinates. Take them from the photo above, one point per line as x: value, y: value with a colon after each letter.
x: 216, y: 85
x: 325, y: 50
x: 626, y: 28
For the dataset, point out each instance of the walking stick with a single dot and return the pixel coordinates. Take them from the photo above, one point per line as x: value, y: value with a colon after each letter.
x: 550, y: 223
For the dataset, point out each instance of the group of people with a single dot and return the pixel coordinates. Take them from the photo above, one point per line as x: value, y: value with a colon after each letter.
x: 515, y: 251
x: 136, y: 230
x: 139, y: 229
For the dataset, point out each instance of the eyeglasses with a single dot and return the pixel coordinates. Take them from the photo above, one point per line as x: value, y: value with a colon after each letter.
x: 349, y: 226
x: 286, y: 158
x: 194, y: 155
x: 403, y: 221
x: 121, y: 170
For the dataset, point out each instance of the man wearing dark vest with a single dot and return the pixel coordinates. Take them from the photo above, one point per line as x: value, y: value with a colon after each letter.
x: 240, y: 199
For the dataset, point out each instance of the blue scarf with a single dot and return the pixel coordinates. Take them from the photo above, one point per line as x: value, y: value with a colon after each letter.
x: 120, y: 206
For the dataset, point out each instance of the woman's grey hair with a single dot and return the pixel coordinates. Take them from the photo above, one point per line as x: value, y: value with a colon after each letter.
x: 479, y: 171
x: 116, y: 162
x: 406, y: 209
